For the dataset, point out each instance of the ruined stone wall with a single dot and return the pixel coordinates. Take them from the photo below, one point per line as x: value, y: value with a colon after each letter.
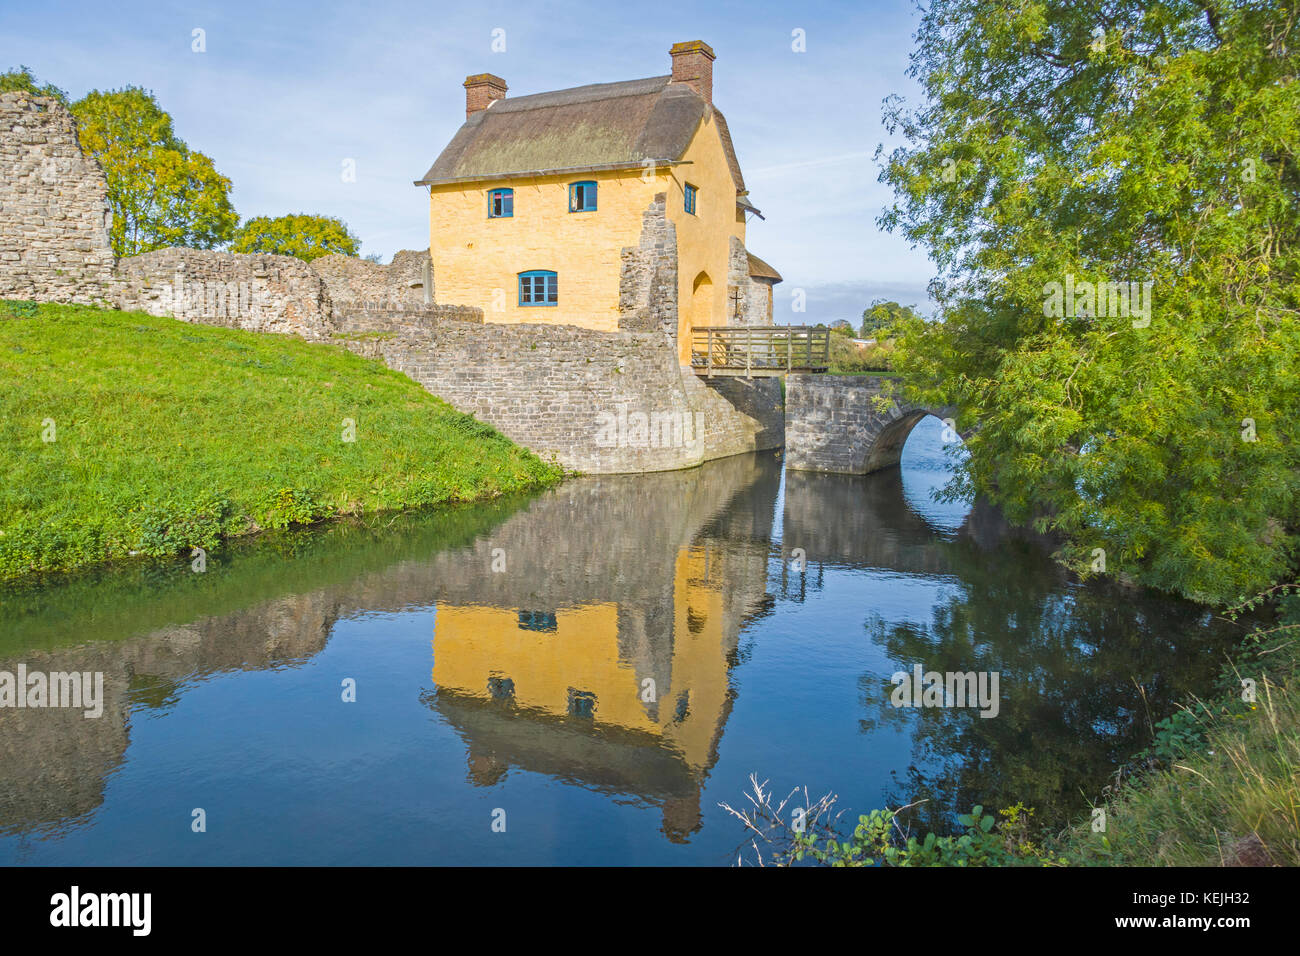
x: 598, y: 402
x: 261, y: 293
x: 647, y: 289
x: 54, y: 213
x: 405, y: 283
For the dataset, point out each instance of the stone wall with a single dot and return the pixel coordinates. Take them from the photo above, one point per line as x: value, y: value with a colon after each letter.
x: 54, y: 213
x: 755, y: 293
x: 647, y: 288
x: 738, y: 282
x: 835, y: 423
x: 368, y: 318
x: 758, y: 301
x: 598, y: 402
x: 405, y: 283
x: 261, y: 293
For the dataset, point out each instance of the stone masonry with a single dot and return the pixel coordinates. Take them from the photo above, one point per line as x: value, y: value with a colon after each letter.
x: 262, y: 293
x: 598, y: 402
x: 738, y: 284
x: 834, y: 423
x: 369, y: 318
x: 54, y: 213
x: 755, y: 294
x: 405, y: 283
x: 647, y: 289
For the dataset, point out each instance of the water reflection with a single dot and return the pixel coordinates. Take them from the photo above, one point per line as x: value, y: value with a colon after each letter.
x: 604, y: 638
x: 601, y: 656
x: 1080, y: 668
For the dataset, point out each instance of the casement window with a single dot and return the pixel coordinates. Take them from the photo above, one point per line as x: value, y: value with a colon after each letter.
x: 538, y: 288
x: 691, y: 192
x: 501, y: 203
x: 582, y: 197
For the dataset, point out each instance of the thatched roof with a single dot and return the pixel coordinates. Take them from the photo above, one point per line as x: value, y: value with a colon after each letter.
x: 601, y: 126
x: 761, y: 270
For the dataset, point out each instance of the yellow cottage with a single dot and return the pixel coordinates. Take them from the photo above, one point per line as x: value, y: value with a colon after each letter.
x: 615, y: 206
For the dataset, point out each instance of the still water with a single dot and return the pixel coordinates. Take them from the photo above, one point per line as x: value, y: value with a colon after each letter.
x: 605, y: 663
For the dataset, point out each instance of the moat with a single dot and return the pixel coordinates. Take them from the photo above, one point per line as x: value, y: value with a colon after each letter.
x: 604, y: 662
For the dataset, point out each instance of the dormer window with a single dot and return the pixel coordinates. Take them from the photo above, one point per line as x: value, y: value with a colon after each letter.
x: 501, y: 203
x: 582, y: 197
x: 691, y: 192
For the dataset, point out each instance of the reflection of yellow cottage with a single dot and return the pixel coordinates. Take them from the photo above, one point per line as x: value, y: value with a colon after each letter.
x: 611, y: 206
x: 565, y: 691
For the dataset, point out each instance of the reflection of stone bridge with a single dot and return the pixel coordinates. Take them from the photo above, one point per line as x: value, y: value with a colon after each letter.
x: 874, y: 527
x: 845, y: 424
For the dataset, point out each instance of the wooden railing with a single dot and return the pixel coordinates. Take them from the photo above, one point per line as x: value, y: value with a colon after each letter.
x: 759, y: 350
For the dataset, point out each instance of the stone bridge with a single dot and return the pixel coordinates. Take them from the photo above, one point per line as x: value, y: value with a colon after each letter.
x: 832, y: 423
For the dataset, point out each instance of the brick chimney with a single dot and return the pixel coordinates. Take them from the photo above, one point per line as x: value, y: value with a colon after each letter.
x: 480, y: 90
x: 693, y: 64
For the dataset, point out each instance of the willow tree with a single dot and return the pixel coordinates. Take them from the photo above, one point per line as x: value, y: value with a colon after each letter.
x: 1109, y: 192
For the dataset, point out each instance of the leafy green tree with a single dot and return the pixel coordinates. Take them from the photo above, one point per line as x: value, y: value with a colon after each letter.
x: 882, y: 315
x: 162, y: 193
x: 303, y: 235
x: 22, y: 79
x: 1147, y: 143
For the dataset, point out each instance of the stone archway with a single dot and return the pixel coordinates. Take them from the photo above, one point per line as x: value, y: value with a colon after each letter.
x: 835, y: 423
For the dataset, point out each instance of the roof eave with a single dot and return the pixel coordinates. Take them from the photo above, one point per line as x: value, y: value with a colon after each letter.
x: 565, y: 171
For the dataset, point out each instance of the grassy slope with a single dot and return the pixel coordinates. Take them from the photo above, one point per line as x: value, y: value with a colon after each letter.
x: 170, y: 436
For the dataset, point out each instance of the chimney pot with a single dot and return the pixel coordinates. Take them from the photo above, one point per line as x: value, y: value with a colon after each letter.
x: 693, y: 65
x: 481, y: 90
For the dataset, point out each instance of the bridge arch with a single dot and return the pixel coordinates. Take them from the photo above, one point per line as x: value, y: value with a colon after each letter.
x: 835, y: 423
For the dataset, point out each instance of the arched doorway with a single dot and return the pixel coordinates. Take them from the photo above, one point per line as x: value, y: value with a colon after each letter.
x: 701, y: 311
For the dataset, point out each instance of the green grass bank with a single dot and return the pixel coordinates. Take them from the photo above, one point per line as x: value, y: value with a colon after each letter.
x: 126, y: 435
x: 1221, y: 784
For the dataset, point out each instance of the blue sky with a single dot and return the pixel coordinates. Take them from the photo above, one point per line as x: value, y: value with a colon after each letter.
x: 286, y: 92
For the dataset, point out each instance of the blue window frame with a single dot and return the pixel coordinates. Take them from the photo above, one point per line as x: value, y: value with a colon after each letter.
x: 501, y: 203
x: 582, y: 196
x: 538, y: 288
x: 690, y: 198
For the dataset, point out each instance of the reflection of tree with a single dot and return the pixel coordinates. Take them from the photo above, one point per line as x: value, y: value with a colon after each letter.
x: 1081, y: 668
